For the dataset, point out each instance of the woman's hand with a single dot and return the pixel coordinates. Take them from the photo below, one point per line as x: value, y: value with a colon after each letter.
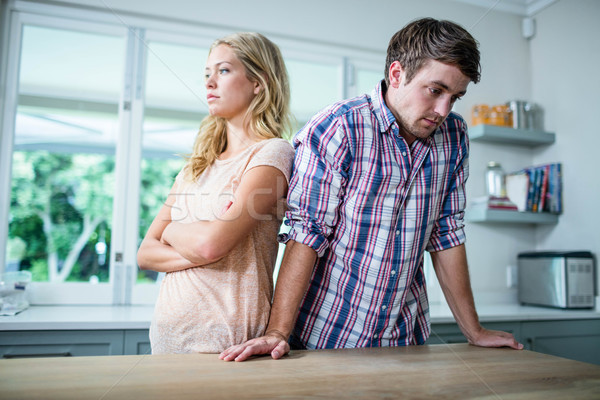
x: 155, y: 252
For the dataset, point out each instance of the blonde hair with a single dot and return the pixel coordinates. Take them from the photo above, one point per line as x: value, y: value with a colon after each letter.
x: 269, y: 112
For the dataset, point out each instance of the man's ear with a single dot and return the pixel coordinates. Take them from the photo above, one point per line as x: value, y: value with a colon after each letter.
x: 396, y: 74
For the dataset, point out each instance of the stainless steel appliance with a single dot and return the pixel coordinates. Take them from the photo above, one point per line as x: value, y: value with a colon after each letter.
x: 564, y: 279
x: 525, y: 115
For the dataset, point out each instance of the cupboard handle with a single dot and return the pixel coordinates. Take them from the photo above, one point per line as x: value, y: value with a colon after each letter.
x: 34, y: 355
x: 530, y: 343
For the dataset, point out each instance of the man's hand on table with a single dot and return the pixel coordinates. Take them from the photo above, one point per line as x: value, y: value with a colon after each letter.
x: 273, y: 343
x: 491, y: 338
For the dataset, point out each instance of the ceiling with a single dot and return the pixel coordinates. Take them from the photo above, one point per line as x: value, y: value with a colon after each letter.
x: 525, y: 8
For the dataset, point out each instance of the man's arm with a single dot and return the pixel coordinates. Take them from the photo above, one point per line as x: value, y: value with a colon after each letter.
x: 292, y: 282
x: 315, y: 192
x: 453, y: 274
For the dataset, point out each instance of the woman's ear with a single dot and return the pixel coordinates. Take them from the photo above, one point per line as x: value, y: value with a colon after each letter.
x: 257, y: 87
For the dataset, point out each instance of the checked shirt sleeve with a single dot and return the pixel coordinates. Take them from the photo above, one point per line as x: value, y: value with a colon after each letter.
x: 318, y: 179
x: 449, y: 228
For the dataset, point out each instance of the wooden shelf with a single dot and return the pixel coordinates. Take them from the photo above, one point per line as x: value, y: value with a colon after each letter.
x: 502, y: 134
x: 483, y: 214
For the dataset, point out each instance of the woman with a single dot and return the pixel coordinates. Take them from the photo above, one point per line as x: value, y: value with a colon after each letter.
x: 215, y: 237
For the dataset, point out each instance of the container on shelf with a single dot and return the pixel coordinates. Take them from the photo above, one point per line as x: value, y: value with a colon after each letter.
x: 494, y: 180
x: 501, y: 115
x: 525, y: 115
x: 480, y: 114
x: 519, y: 114
x: 13, y: 298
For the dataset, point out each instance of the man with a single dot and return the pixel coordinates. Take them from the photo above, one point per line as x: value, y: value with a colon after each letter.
x: 377, y: 181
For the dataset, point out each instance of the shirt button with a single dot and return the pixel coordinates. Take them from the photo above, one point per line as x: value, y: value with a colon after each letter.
x: 397, y: 233
x: 404, y: 153
x: 374, y: 336
x: 383, y: 307
x: 393, y: 272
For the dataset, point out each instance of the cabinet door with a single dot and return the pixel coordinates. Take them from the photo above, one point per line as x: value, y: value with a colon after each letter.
x: 18, y: 344
x: 575, y: 339
x: 445, y: 334
x: 137, y: 342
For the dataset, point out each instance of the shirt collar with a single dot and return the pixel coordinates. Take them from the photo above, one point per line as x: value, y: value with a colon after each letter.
x: 383, y: 114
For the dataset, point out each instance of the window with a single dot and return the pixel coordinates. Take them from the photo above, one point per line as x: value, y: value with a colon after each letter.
x: 362, y: 75
x: 313, y: 86
x: 63, y: 158
x: 366, y: 80
x: 174, y: 106
x: 96, y: 117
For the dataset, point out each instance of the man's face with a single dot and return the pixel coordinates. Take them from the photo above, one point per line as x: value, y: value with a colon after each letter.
x: 421, y: 105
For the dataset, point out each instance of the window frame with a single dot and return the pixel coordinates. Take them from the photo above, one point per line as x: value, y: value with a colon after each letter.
x: 44, y: 292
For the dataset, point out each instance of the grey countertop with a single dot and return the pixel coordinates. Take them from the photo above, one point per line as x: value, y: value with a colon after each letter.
x: 138, y: 317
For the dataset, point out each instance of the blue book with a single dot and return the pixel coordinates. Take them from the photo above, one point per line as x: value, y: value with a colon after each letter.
x: 531, y: 194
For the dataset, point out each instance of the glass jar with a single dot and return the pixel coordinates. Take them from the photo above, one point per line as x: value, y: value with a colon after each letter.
x: 480, y: 114
x: 500, y: 115
x: 494, y: 180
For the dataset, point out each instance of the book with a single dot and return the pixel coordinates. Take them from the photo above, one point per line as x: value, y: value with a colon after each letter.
x: 536, y: 188
x: 517, y: 188
x: 539, y: 172
x: 544, y: 188
x: 495, y: 203
x: 531, y: 191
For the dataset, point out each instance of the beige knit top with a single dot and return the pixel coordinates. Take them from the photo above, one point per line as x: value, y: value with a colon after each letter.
x: 210, y: 308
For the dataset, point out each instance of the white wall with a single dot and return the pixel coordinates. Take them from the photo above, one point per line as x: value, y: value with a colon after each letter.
x: 565, y: 55
x: 545, y: 69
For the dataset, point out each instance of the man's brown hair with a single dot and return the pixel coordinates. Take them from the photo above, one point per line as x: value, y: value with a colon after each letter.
x: 430, y: 39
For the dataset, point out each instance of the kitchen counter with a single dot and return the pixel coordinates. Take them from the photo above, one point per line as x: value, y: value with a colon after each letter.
x: 456, y: 371
x: 78, y: 318
x: 139, y: 317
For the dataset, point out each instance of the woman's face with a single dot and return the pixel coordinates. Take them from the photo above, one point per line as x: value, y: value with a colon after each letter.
x: 229, y: 91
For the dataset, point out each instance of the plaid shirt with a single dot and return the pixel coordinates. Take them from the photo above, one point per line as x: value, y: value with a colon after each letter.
x: 370, y: 205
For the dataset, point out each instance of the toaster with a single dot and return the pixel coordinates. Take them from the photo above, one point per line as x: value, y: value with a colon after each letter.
x: 563, y: 279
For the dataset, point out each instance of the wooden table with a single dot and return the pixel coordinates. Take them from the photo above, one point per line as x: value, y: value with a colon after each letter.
x: 457, y: 371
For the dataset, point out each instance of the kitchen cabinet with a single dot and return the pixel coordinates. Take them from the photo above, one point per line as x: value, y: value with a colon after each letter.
x: 514, y: 137
x: 20, y: 344
x: 136, y: 342
x: 577, y: 340
x: 65, y: 343
x: 574, y: 339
